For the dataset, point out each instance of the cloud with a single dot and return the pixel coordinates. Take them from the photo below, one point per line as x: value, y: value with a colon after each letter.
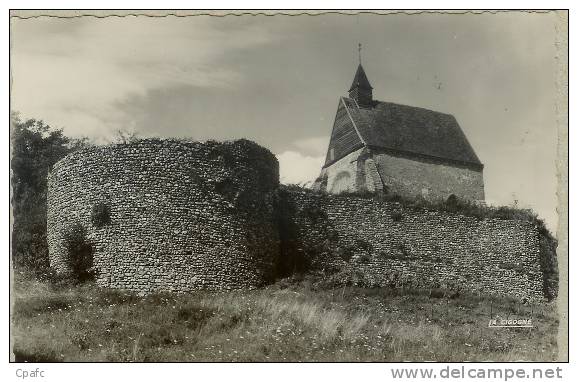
x: 276, y: 80
x: 73, y: 74
x: 296, y: 168
x: 315, y: 145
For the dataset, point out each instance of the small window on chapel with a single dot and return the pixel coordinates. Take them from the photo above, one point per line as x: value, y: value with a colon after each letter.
x: 331, y: 154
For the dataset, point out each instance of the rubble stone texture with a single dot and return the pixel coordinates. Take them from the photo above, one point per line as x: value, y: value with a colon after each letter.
x: 183, y: 216
x: 385, y: 244
x: 372, y: 170
x: 164, y: 215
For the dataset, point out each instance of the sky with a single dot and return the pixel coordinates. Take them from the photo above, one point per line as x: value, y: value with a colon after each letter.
x: 277, y: 80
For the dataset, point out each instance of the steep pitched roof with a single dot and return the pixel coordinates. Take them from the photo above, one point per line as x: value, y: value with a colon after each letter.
x: 360, y: 80
x: 344, y: 137
x: 411, y: 130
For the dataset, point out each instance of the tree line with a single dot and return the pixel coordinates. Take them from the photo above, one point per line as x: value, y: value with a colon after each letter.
x: 35, y: 148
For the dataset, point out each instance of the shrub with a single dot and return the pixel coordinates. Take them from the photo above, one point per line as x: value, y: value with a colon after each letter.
x: 322, y: 182
x: 345, y: 253
x: 548, y: 262
x: 79, y: 252
x: 452, y: 204
x: 36, y: 147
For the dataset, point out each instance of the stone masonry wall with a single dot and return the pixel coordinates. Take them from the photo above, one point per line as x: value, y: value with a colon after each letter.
x: 165, y: 215
x: 342, y: 175
x: 427, y: 179
x: 182, y: 216
x: 364, y: 170
x: 386, y: 244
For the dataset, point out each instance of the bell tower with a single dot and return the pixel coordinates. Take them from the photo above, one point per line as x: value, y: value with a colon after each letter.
x: 361, y: 90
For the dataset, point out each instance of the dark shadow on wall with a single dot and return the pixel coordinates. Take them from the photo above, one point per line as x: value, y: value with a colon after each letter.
x: 548, y: 262
x: 100, y: 214
x: 310, y: 242
x: 308, y: 238
x: 80, y: 253
x: 293, y: 259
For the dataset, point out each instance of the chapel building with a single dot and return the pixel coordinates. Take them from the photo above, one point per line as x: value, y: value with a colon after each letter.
x: 385, y: 147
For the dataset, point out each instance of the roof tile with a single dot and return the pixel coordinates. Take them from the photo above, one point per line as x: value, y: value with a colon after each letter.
x: 413, y: 130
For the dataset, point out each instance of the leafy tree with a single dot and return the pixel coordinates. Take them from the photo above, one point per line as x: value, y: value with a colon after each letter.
x: 35, y: 148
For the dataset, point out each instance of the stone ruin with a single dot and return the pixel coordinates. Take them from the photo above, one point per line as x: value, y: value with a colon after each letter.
x: 166, y: 215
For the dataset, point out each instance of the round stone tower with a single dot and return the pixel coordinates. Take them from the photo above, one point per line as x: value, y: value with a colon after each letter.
x: 166, y: 215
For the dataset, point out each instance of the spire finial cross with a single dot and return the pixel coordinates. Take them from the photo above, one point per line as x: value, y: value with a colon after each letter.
x: 359, y: 52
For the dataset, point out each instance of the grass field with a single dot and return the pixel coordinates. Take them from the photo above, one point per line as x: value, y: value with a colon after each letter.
x: 288, y: 321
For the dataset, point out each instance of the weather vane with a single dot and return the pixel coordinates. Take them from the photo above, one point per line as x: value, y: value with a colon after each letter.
x: 359, y: 52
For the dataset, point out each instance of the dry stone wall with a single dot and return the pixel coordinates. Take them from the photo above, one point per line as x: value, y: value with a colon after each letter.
x: 374, y: 243
x: 164, y: 215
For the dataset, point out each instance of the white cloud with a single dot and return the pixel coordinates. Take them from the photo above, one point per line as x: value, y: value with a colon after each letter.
x: 296, y: 168
x: 72, y: 75
x: 314, y: 145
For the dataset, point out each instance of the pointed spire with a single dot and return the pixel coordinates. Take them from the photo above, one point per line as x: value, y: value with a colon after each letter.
x: 360, y: 80
x: 361, y: 90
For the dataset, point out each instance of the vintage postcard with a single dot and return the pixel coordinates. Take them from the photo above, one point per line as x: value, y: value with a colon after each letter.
x: 289, y: 186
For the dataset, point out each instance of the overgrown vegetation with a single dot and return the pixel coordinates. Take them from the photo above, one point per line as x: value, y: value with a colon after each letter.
x: 292, y: 320
x: 548, y: 263
x: 80, y: 253
x: 35, y: 148
x: 452, y: 204
x: 548, y: 243
x: 291, y: 260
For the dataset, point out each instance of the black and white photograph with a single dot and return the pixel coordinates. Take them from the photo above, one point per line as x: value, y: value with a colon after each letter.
x: 288, y: 186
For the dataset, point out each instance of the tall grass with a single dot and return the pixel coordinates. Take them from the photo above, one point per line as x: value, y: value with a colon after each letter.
x: 285, y: 322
